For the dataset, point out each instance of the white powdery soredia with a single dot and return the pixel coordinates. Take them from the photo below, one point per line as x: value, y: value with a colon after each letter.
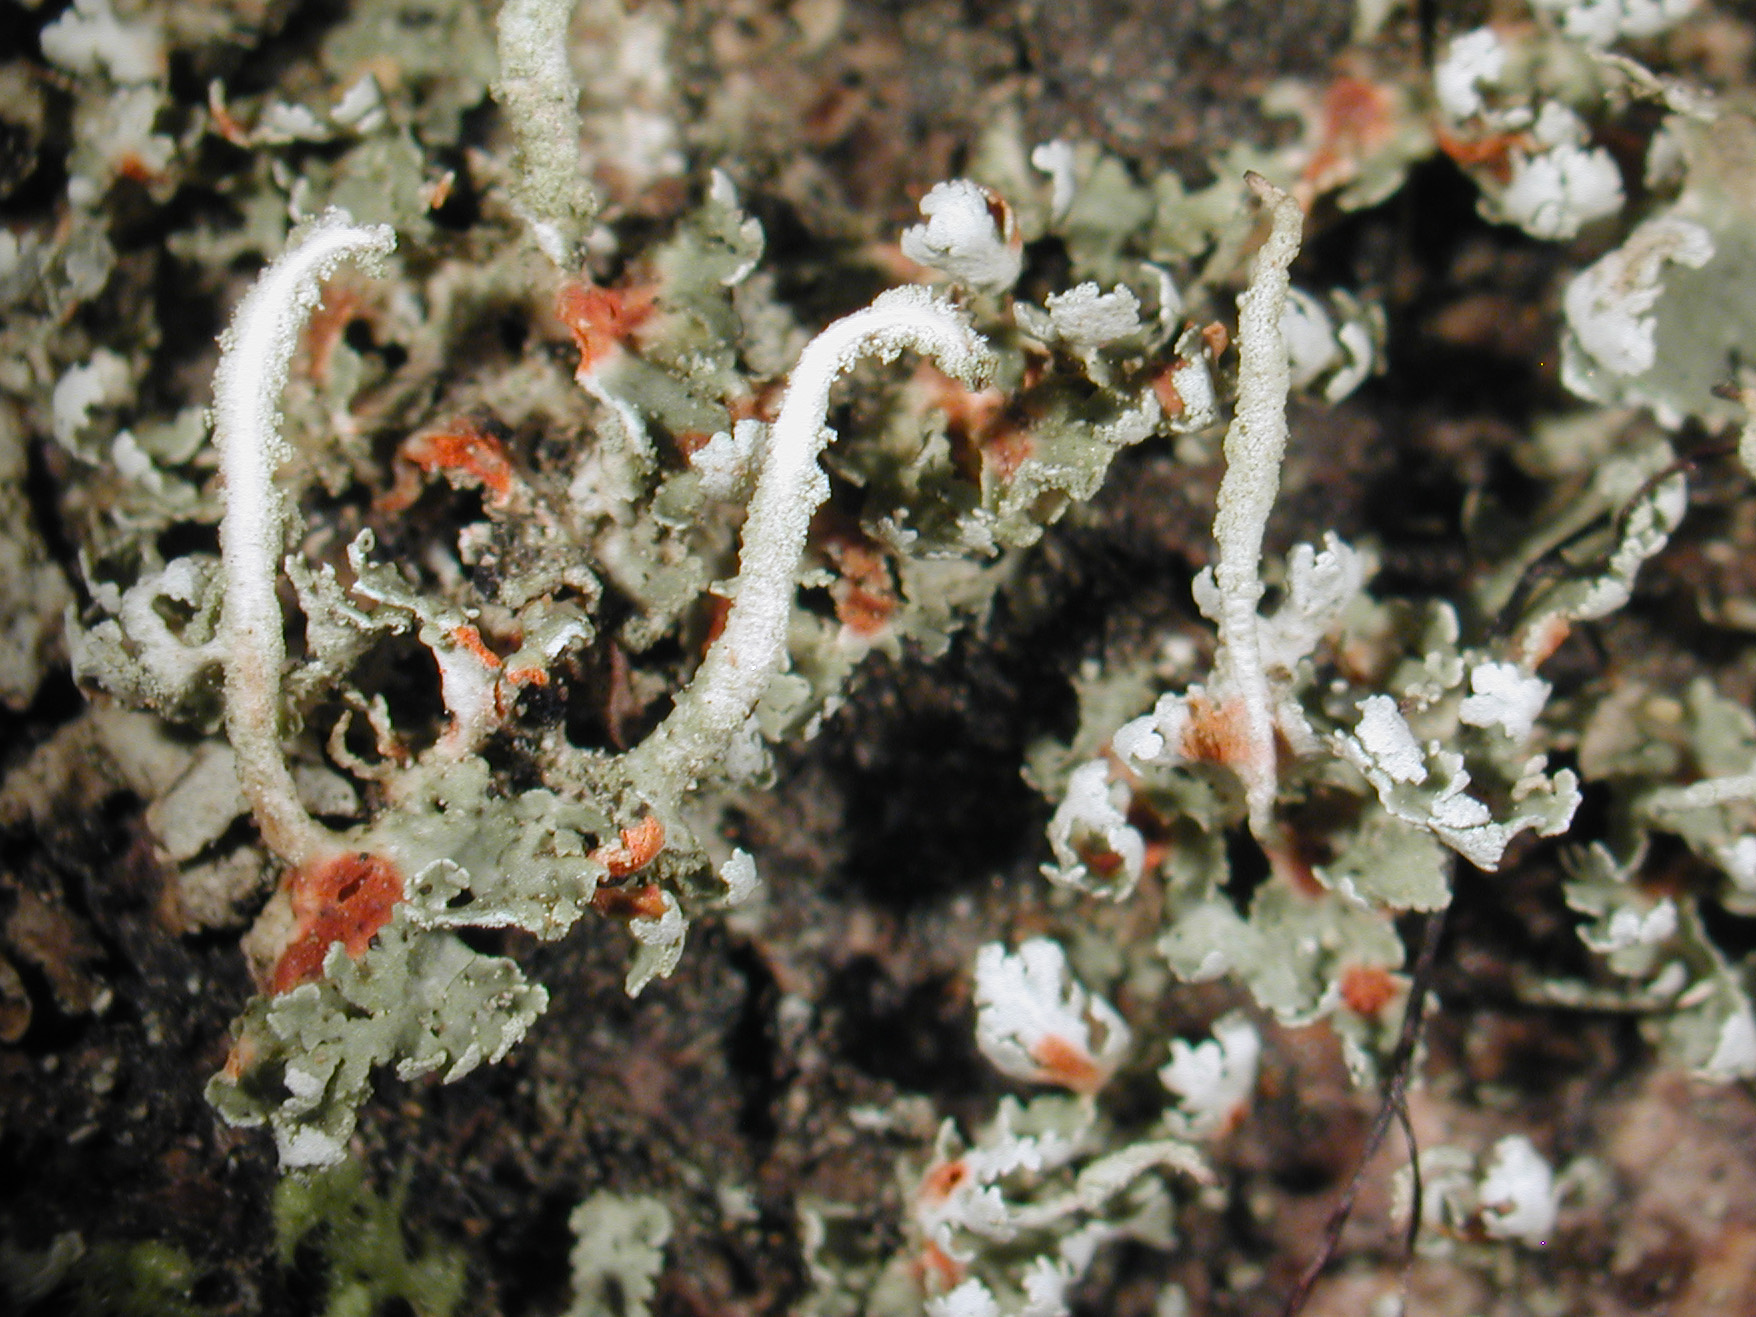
x: 1610, y: 325
x: 1213, y: 1080
x: 104, y: 381
x: 1036, y: 1022
x: 970, y: 1299
x: 1471, y: 60
x: 1738, y: 859
x: 1390, y: 742
x: 1086, y: 317
x: 1056, y: 159
x: 88, y: 36
x: 1600, y: 22
x: 1518, y: 1194
x: 726, y: 462
x: 963, y: 239
x: 1309, y: 332
x: 1563, y: 186
x: 1734, y: 1052
x: 1505, y: 696
x: 1429, y: 787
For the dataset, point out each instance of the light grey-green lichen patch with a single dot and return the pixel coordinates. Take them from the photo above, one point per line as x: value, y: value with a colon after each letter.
x: 1662, y: 320
x: 419, y: 1001
x: 618, y: 1253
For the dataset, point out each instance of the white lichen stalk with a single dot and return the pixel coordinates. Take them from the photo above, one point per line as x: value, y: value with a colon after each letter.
x: 1255, y: 443
x: 752, y: 647
x: 540, y: 96
x: 256, y: 352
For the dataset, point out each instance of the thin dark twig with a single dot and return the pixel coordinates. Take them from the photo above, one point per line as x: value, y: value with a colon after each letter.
x: 1414, y: 1166
x: 1394, y: 1106
x: 1427, y: 14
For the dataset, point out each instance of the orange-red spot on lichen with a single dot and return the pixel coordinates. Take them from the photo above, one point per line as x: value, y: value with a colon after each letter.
x: 1157, y: 851
x: 1217, y: 733
x: 761, y: 403
x: 239, y: 1058
x: 1001, y: 214
x: 225, y: 123
x: 1005, y: 449
x: 1143, y: 819
x: 344, y: 302
x: 1217, y: 338
x: 1491, y: 153
x: 938, y: 1269
x: 134, y: 169
x: 1356, y: 118
x: 1097, y: 855
x: 1368, y: 989
x: 987, y: 436
x: 691, y: 442
x: 434, y: 195
x: 942, y: 1181
x: 1164, y: 388
x: 464, y: 449
x: 345, y: 899
x: 634, y: 849
x: 864, y: 596
x: 601, y: 319
x: 1067, y: 1065
x: 865, y: 612
x: 469, y: 639
x: 644, y: 902
x: 1541, y: 639
x: 719, y: 608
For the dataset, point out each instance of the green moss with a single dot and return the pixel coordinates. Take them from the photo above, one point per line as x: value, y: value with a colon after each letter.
x: 360, y: 1238
x: 150, y: 1278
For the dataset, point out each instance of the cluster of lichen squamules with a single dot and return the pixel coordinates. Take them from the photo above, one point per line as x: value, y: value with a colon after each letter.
x: 727, y: 501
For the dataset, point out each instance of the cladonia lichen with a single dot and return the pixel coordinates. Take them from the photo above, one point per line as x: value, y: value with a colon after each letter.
x: 571, y: 456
